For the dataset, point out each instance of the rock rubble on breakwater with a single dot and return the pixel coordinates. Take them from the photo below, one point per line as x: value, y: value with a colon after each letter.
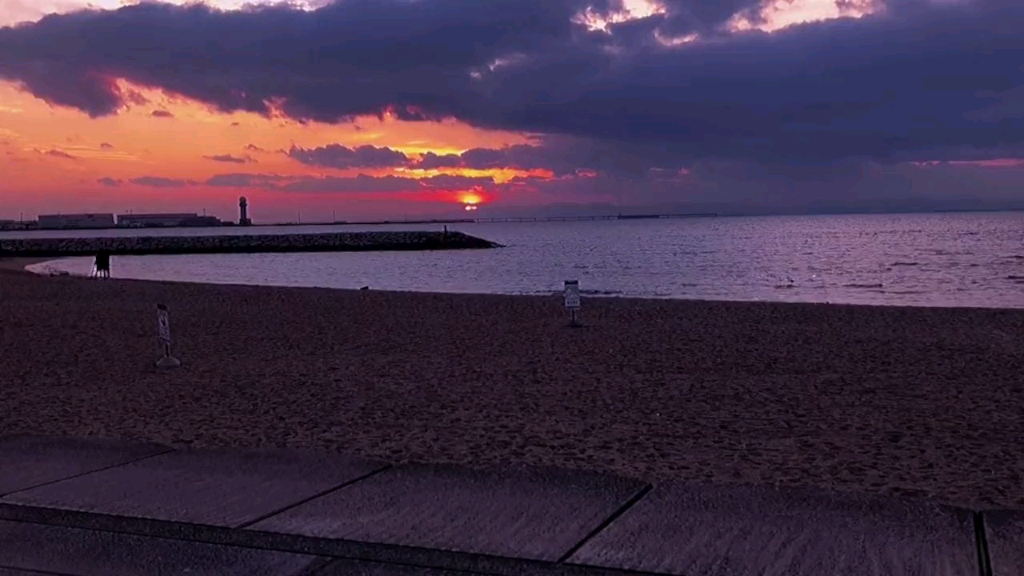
x: 226, y: 244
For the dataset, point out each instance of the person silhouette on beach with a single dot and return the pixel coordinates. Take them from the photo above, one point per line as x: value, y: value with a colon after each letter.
x: 102, y: 265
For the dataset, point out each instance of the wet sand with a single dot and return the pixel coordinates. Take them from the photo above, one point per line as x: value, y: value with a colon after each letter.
x: 19, y: 264
x: 923, y: 402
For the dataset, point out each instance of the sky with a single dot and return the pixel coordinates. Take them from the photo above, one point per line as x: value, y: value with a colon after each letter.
x: 355, y: 109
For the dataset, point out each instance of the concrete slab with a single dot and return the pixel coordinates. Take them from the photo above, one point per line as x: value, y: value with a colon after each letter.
x: 1004, y: 532
x: 534, y: 514
x: 719, y: 531
x: 212, y: 487
x: 27, y: 461
x: 56, y: 549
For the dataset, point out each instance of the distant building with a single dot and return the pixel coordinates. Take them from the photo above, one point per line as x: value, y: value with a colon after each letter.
x: 165, y: 220
x: 9, y: 225
x: 202, y: 221
x: 62, y: 221
x: 243, y: 212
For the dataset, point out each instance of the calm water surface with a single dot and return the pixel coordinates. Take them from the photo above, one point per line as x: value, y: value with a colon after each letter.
x: 920, y: 259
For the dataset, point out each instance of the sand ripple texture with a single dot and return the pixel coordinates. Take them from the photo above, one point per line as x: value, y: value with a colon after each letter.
x: 907, y: 401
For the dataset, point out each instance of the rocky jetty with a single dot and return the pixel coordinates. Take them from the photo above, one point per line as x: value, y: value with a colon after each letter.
x: 227, y: 244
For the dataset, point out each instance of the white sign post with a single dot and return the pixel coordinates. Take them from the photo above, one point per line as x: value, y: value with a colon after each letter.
x: 572, y: 299
x: 163, y: 321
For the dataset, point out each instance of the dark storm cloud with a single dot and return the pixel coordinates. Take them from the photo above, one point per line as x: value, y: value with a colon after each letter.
x: 160, y: 182
x: 352, y: 57
x: 343, y: 157
x: 688, y: 16
x: 925, y: 76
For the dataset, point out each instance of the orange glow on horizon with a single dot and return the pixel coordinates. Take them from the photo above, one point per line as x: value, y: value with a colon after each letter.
x: 53, y: 158
x: 499, y: 175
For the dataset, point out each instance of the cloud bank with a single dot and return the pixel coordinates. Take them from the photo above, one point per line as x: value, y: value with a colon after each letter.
x: 920, y: 80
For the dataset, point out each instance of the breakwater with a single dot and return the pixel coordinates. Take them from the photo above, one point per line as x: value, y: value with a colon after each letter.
x: 234, y: 244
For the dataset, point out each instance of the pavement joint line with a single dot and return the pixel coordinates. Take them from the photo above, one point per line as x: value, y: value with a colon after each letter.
x: 392, y: 554
x: 340, y: 561
x: 283, y: 509
x: 607, y: 522
x: 981, y: 541
x: 79, y: 475
x: 34, y: 571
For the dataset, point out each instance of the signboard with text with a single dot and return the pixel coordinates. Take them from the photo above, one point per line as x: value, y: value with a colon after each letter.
x: 163, y: 323
x: 572, y: 294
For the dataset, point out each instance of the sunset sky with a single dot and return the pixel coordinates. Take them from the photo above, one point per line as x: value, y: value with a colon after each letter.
x: 403, y: 108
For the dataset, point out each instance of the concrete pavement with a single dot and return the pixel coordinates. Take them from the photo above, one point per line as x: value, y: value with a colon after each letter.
x: 90, y: 507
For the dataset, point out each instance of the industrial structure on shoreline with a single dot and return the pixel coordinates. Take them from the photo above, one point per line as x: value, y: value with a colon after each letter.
x: 101, y: 221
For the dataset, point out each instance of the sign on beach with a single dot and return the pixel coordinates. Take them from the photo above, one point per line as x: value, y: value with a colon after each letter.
x: 572, y: 294
x: 572, y: 300
x: 163, y: 323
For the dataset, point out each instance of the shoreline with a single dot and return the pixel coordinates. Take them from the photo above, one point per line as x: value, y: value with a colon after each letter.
x: 20, y: 263
x: 907, y: 401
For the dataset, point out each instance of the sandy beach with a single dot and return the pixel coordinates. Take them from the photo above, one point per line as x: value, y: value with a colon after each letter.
x: 924, y: 402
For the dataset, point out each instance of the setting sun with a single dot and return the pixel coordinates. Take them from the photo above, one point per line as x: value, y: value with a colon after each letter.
x: 470, y: 199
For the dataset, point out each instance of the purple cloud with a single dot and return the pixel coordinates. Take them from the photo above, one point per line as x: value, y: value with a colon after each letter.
x: 431, y: 161
x: 160, y: 182
x: 60, y: 154
x: 108, y: 181
x: 364, y: 183
x: 520, y: 156
x: 342, y: 157
x: 814, y: 98
x: 816, y: 93
x: 240, y: 180
x: 230, y: 159
x: 161, y: 114
x: 349, y: 184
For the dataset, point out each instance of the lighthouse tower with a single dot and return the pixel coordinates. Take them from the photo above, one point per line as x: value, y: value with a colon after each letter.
x: 243, y: 212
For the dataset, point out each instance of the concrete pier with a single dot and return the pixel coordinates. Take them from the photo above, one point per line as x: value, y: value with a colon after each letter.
x: 228, y: 244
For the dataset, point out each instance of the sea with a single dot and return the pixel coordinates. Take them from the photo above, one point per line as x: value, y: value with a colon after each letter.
x: 943, y: 259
